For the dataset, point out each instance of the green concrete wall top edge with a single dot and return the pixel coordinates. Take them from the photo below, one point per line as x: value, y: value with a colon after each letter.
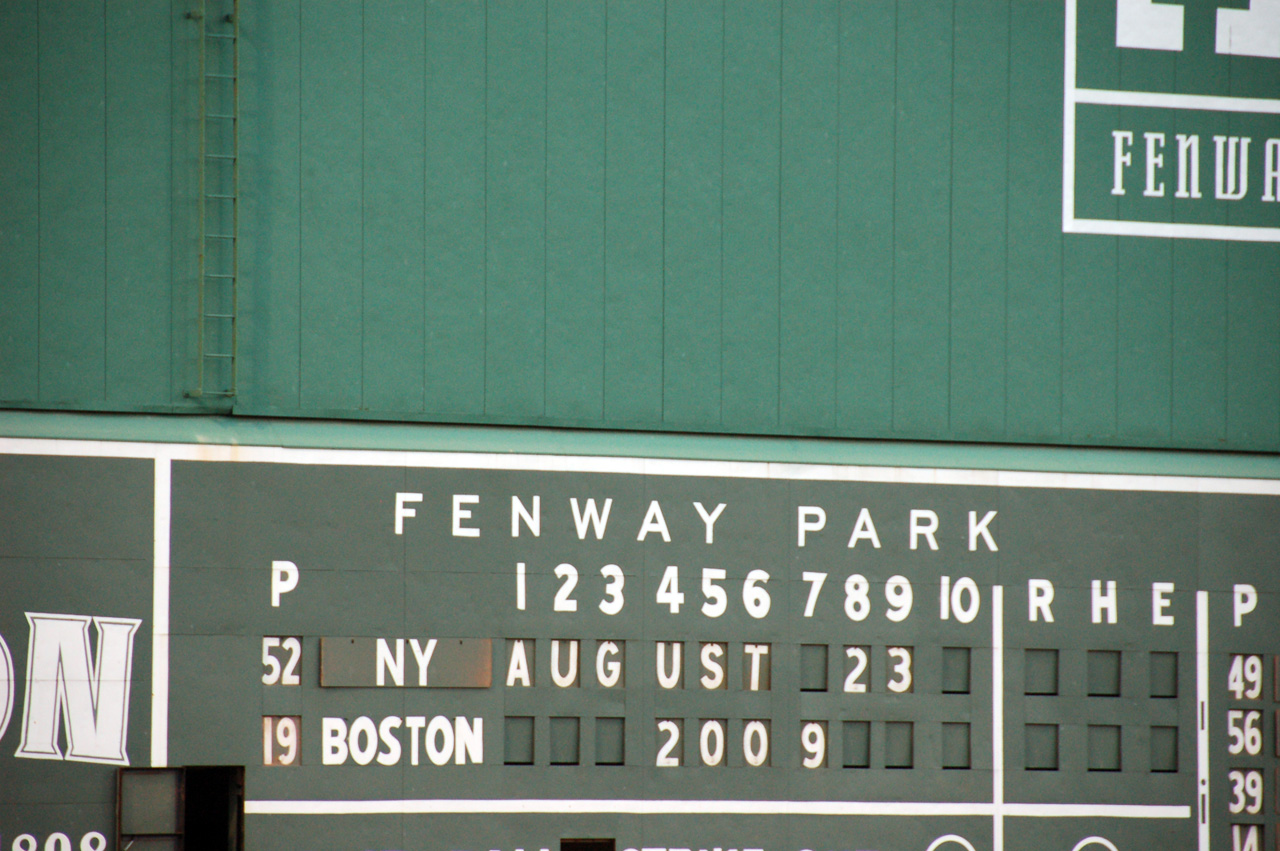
x: 1259, y: 442
x: 454, y: 438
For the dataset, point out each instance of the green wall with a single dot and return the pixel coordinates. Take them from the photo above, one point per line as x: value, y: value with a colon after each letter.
x: 94, y: 107
x: 799, y: 218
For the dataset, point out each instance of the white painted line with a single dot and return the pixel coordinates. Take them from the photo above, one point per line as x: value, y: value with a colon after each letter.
x: 997, y: 716
x: 160, y: 615
x: 79, y: 448
x: 1069, y: 120
x: 1169, y: 100
x: 1174, y: 230
x: 1202, y: 717
x: 632, y: 806
x: 1152, y: 811
x: 557, y: 806
x: 959, y: 477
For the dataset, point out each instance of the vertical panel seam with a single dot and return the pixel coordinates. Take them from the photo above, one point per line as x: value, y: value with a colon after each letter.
x: 426, y: 89
x: 172, y: 269
x: 604, y: 228
x: 546, y: 133
x: 782, y: 61
x: 106, y: 192
x: 1062, y: 284
x: 662, y: 301
x: 484, y: 248
x: 1115, y: 348
x: 1172, y: 279
x: 301, y: 33
x: 1226, y: 286
x: 835, y: 372
x: 1008, y: 144
x: 720, y: 341
x: 1226, y: 346
x: 893, y: 241
x: 364, y: 132
x: 39, y: 217
x: 951, y: 219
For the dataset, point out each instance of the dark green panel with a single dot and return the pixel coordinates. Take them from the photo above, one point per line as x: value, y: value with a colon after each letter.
x: 331, y: 313
x: 1145, y: 273
x: 979, y: 201
x: 633, y: 212
x: 72, y: 203
x: 515, y: 204
x: 922, y: 245
x: 1253, y: 361
x: 837, y: 218
x: 1143, y: 352
x: 1034, y: 298
x: 575, y: 210
x: 1089, y: 293
x: 693, y: 201
x: 1090, y: 281
x: 807, y: 295
x: 138, y: 201
x: 455, y: 208
x: 75, y: 510
x: 750, y: 199
x: 393, y: 206
x: 271, y: 208
x: 186, y: 241
x: 19, y: 215
x: 1097, y: 64
x: 868, y: 121
x: 1199, y: 347
x: 75, y: 543
x: 1198, y: 68
x: 1068, y: 684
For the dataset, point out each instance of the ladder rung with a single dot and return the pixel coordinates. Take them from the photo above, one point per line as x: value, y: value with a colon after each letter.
x: 218, y: 35
x: 219, y: 76
x: 219, y: 316
x: 227, y: 277
x: 219, y: 156
x: 217, y: 355
x: 221, y: 197
x: 219, y: 236
x: 220, y: 115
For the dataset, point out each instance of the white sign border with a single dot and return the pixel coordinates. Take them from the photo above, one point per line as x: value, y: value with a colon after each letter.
x: 1071, y: 96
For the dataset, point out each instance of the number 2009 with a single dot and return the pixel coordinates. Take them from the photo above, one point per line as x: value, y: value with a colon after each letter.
x: 755, y: 743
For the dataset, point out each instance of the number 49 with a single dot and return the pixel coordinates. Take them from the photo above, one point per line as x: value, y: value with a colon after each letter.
x: 1244, y: 679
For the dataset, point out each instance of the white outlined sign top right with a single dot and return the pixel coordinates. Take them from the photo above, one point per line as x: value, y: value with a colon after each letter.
x: 1171, y: 119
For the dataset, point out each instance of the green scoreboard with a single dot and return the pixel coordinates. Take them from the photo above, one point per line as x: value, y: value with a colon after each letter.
x: 435, y: 651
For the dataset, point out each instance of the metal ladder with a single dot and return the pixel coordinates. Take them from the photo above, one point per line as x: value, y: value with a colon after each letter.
x: 219, y: 197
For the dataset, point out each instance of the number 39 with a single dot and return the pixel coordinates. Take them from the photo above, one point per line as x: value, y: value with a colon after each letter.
x: 1246, y: 791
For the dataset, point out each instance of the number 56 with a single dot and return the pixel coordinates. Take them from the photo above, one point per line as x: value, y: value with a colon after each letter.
x: 1246, y: 738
